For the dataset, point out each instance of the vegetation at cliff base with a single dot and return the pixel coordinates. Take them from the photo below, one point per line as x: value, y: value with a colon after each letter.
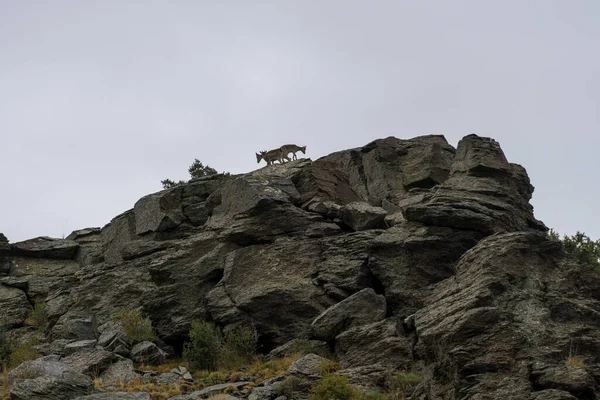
x: 209, y: 348
x: 137, y: 328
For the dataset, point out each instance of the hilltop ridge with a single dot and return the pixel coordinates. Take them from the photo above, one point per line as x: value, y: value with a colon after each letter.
x: 400, y: 254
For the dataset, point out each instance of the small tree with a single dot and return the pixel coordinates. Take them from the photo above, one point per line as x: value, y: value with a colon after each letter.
x: 579, y: 246
x: 196, y: 170
x: 202, y: 351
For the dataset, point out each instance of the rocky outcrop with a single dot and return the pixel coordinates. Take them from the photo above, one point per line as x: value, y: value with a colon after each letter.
x: 46, y: 379
x: 515, y: 292
x: 46, y: 247
x: 399, y: 254
x: 362, y: 308
x: 14, y: 305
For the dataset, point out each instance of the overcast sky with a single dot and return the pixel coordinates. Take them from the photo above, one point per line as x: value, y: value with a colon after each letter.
x: 100, y: 100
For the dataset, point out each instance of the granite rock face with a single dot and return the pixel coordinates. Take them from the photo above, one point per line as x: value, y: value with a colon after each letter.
x: 398, y: 254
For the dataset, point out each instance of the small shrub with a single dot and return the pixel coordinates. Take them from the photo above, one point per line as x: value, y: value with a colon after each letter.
x: 202, y: 351
x: 215, y: 378
x: 238, y: 348
x: 137, y: 328
x: 400, y: 382
x: 38, y: 318
x: 23, y: 352
x: 196, y: 170
x: 334, y: 387
x: 289, y: 385
x: 328, y: 367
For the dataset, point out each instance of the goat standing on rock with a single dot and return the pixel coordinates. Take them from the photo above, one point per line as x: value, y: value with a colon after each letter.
x: 292, y: 148
x: 280, y: 154
x: 271, y: 156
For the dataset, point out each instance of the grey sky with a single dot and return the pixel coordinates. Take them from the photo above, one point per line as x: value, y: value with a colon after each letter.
x: 100, y: 100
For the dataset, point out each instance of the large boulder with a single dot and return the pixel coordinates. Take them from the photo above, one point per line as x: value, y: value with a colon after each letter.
x: 384, y: 343
x: 147, y: 353
x: 362, y: 308
x: 484, y: 193
x: 309, y: 366
x: 258, y: 208
x: 257, y: 278
x: 381, y: 172
x: 361, y: 216
x: 512, y: 292
x: 120, y: 371
x: 159, y: 211
x: 48, y: 379
x: 90, y: 361
x: 343, y: 267
x: 75, y: 325
x: 46, y: 247
x: 114, y: 338
x: 14, y: 305
x: 408, y: 259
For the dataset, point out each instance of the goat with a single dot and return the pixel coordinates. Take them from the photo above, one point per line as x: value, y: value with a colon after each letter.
x: 292, y: 148
x: 271, y: 156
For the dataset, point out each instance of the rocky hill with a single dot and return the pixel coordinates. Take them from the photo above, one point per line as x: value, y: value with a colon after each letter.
x: 399, y: 255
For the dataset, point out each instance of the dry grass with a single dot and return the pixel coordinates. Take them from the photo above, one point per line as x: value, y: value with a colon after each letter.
x: 575, y: 361
x: 259, y: 370
x: 166, y: 367
x: 156, y: 391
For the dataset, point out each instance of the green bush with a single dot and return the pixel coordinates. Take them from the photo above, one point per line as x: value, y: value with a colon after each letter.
x: 579, y: 246
x: 208, y: 349
x: 336, y: 387
x: 214, y: 378
x: 137, y: 328
x: 202, y: 351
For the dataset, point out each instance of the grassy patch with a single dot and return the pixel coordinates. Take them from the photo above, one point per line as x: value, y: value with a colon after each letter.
x: 38, y: 318
x: 399, y: 383
x: 328, y: 367
x: 23, y: 352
